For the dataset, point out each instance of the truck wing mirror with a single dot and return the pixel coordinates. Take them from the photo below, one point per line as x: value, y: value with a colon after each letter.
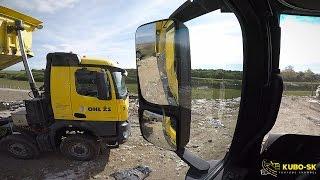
x: 102, y: 86
x: 163, y: 67
x: 164, y: 87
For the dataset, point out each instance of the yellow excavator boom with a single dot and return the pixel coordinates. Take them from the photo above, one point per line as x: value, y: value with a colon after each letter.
x: 10, y: 53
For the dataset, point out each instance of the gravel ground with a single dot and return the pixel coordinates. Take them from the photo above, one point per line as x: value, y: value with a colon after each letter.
x: 13, y: 94
x: 214, y: 117
x: 298, y: 115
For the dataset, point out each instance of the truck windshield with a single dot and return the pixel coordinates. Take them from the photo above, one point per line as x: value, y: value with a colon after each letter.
x: 121, y: 88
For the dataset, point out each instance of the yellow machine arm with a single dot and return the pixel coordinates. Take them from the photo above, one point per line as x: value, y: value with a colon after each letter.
x: 165, y: 46
x: 10, y: 53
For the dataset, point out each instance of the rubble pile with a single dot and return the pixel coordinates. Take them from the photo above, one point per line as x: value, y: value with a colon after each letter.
x: 136, y: 173
x: 198, y: 106
x: 202, y: 106
x: 10, y: 105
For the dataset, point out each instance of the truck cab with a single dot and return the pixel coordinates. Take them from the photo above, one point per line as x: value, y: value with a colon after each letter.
x: 75, y: 93
x: 82, y: 106
x: 82, y: 98
x: 87, y: 90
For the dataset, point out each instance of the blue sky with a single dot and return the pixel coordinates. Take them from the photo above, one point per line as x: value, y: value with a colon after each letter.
x: 99, y: 28
x: 105, y: 28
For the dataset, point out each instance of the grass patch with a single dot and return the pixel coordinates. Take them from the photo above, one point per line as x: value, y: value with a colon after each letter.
x: 14, y: 84
x: 298, y: 93
x: 213, y: 93
x: 206, y: 93
x: 132, y: 88
x: 210, y: 93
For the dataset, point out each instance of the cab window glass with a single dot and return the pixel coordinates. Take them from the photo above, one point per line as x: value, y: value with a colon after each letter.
x: 217, y: 62
x: 86, y: 83
x: 299, y: 111
x: 120, y: 83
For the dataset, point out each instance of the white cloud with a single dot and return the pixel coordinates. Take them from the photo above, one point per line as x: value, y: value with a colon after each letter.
x: 299, y: 43
x: 53, y: 5
x: 107, y: 38
x: 49, y: 47
x: 106, y: 28
x: 111, y: 34
x: 47, y: 6
x: 216, y: 44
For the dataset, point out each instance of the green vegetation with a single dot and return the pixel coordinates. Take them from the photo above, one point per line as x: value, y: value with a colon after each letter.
x: 21, y: 75
x: 299, y: 93
x: 14, y: 84
x: 132, y: 88
x: 216, y: 74
x: 206, y: 83
x: 289, y: 74
x: 214, y: 93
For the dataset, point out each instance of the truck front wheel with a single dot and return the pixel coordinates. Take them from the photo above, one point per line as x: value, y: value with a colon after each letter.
x: 20, y: 146
x: 80, y: 147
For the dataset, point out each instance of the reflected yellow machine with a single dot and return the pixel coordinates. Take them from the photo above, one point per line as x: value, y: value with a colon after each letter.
x: 169, y: 126
x: 165, y: 44
x: 165, y: 48
x: 83, y: 102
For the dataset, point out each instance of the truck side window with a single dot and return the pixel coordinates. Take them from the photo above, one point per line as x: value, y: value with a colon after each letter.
x: 86, y: 82
x: 300, y: 70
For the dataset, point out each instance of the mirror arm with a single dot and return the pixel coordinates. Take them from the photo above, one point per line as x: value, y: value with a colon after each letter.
x: 194, y: 161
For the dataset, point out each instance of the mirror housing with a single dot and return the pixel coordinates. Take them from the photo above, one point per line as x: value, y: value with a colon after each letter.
x: 159, y: 130
x: 164, y: 77
x: 102, y: 86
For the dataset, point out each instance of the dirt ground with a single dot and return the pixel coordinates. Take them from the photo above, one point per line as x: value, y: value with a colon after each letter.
x: 164, y: 164
x: 13, y: 94
x: 298, y: 115
x: 214, y: 117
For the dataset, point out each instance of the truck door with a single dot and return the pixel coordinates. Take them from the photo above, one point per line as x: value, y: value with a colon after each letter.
x: 60, y: 92
x: 84, y: 96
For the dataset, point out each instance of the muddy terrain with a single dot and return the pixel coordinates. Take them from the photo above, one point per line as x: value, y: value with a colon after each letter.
x: 213, y: 123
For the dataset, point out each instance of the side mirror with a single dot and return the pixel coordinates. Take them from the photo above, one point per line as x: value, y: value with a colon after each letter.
x: 164, y: 91
x: 164, y: 87
x: 102, y: 86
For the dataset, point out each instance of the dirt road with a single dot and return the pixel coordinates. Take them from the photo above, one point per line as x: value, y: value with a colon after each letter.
x: 214, y: 117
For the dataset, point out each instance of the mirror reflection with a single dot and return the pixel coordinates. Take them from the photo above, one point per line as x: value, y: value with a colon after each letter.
x: 155, y: 53
x: 159, y: 130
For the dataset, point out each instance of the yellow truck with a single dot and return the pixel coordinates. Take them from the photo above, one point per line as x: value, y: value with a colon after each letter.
x: 82, y: 105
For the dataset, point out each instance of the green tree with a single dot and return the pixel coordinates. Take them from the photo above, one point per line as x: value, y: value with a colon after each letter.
x: 309, y: 75
x: 289, y: 74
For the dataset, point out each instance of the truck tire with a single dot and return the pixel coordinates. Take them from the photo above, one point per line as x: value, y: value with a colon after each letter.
x: 80, y: 147
x: 20, y: 146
